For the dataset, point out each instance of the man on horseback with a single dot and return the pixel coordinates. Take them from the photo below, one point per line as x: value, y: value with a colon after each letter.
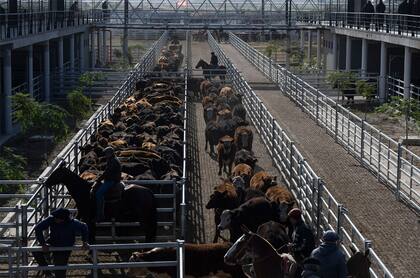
x: 214, y: 61
x: 303, y: 240
x: 111, y: 177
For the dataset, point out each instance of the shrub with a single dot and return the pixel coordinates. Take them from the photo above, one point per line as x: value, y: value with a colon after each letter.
x: 79, y: 104
x: 365, y: 89
x: 11, y: 168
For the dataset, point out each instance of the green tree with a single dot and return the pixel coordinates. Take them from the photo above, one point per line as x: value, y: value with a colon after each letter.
x: 343, y: 81
x: 12, y: 167
x: 79, y: 104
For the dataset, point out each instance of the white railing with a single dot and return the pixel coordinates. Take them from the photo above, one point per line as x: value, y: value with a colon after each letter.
x: 320, y: 208
x: 394, y: 164
x: 39, y: 202
x: 95, y: 266
x: 395, y: 87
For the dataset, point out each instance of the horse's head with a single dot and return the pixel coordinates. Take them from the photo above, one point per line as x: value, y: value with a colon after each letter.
x: 358, y: 265
x: 237, y: 254
x: 57, y: 176
x: 199, y: 64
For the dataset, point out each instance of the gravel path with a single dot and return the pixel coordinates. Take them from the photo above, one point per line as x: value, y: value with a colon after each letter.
x: 393, y: 228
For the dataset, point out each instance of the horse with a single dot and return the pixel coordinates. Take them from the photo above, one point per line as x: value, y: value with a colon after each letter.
x: 266, y: 261
x: 209, y: 70
x: 358, y: 265
x: 137, y: 203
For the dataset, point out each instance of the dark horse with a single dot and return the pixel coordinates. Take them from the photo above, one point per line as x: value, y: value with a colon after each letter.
x: 137, y: 203
x: 209, y: 70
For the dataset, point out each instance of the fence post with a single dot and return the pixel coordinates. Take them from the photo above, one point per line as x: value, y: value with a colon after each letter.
x: 24, y: 234
x: 95, y: 262
x: 76, y: 153
x: 367, y: 244
x: 362, y: 141
x: 399, y: 165
x: 336, y: 122
x: 320, y: 186
x: 317, y: 106
x: 269, y: 70
x: 291, y: 161
x: 273, y: 140
x: 340, y: 211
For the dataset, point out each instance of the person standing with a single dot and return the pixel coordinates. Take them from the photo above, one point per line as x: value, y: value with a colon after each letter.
x: 332, y: 260
x: 214, y: 61
x: 63, y: 232
x: 368, y: 11
x: 303, y: 240
x: 380, y: 10
x: 110, y: 177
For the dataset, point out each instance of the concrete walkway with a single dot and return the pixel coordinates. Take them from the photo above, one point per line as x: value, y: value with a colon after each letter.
x: 391, y: 225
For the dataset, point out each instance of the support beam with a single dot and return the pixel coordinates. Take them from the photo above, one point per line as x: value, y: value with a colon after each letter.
x: 72, y: 59
x: 92, y: 49
x: 7, y: 90
x: 104, y: 48
x: 309, y: 46
x: 318, y: 49
x: 82, y: 52
x: 364, y: 57
x: 302, y: 40
x: 30, y: 69
x: 100, y: 50
x: 407, y: 71
x: 61, y: 62
x: 334, y: 51
x: 46, y: 66
x: 348, y: 53
x: 287, y: 49
x: 383, y: 73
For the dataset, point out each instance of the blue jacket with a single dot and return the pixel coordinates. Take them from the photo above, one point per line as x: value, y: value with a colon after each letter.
x: 332, y: 261
x: 61, y: 234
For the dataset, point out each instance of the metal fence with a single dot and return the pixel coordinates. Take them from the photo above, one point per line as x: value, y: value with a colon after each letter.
x: 17, y: 227
x: 96, y: 266
x: 320, y: 208
x: 394, y: 164
x: 395, y: 87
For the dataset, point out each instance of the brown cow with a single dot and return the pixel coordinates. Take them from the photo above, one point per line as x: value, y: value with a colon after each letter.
x: 262, y: 181
x: 244, y: 171
x: 243, y: 138
x: 224, y: 114
x: 204, y: 87
x: 226, y: 91
x: 283, y: 198
x: 226, y: 153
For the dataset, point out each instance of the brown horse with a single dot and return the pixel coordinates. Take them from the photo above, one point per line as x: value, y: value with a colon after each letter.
x: 359, y: 264
x: 137, y: 203
x: 266, y: 262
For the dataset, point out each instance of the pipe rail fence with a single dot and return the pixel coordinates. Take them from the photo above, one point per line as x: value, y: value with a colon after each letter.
x: 17, y: 228
x: 321, y: 210
x: 393, y: 164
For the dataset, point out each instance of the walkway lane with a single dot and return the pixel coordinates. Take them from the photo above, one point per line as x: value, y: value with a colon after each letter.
x: 203, y: 169
x: 391, y: 225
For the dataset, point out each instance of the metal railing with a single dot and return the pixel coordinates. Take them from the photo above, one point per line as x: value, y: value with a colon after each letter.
x: 95, y: 266
x: 320, y: 207
x: 39, y: 203
x: 395, y: 87
x: 15, y: 25
x: 394, y: 164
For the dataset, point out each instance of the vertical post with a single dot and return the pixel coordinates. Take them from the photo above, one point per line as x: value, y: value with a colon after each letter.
x: 362, y: 141
x: 383, y: 73
x: 92, y: 49
x: 339, y: 215
x: 30, y: 69
x: 100, y: 45
x: 319, y: 207
x: 291, y: 161
x: 309, y: 46
x: 407, y: 72
x: 46, y: 71
x: 336, y: 122
x: 348, y: 53
x: 104, y: 47
x: 302, y: 40
x: 72, y: 41
x: 364, y: 57
x: 95, y: 262
x: 61, y: 62
x: 7, y: 89
x: 82, y: 52
x: 399, y: 153
x: 24, y: 234
x: 318, y: 49
x: 125, y: 34
x: 335, y: 47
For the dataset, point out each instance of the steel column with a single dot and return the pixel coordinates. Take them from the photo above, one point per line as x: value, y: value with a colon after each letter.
x: 72, y: 53
x: 334, y: 65
x: 383, y: 73
x: 318, y: 48
x: 7, y: 90
x: 92, y: 49
x: 61, y: 62
x: 104, y: 48
x: 348, y: 53
x: 30, y: 69
x: 309, y: 46
x: 302, y: 40
x: 46, y: 54
x: 364, y: 57
x: 100, y: 50
x: 82, y: 52
x: 407, y: 71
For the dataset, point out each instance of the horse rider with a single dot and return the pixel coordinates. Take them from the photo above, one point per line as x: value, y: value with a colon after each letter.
x: 63, y: 231
x: 332, y: 260
x: 110, y: 177
x: 303, y: 240
x: 214, y: 61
